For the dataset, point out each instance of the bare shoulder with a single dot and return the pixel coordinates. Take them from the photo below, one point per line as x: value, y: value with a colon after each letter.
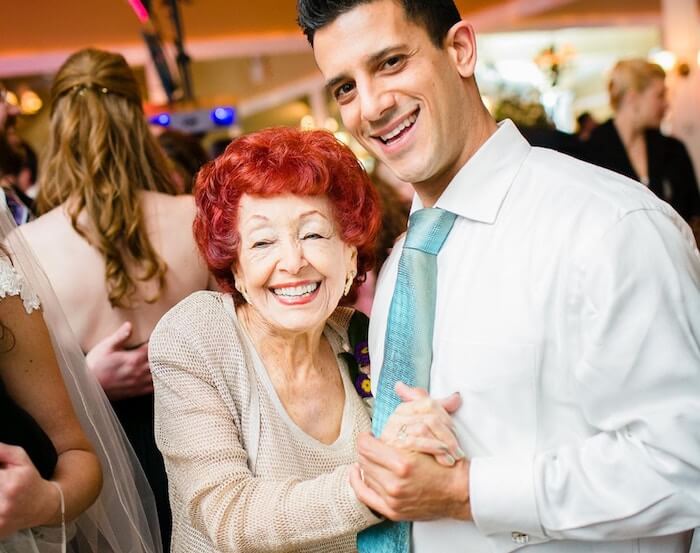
x: 48, y: 223
x: 171, y: 213
x: 44, y: 233
x: 158, y: 200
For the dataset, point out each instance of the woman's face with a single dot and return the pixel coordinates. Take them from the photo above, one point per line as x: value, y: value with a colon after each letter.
x: 651, y: 104
x: 292, y: 263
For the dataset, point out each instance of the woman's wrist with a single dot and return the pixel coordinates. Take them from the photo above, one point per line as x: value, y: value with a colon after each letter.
x: 52, y: 509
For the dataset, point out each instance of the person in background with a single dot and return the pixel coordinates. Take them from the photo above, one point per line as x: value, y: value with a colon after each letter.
x: 562, y: 300
x: 49, y: 473
x: 68, y: 479
x: 631, y: 144
x: 116, y: 245
x: 585, y: 125
x: 218, y: 147
x: 26, y: 180
x: 394, y: 219
x: 12, y: 162
x: 186, y: 155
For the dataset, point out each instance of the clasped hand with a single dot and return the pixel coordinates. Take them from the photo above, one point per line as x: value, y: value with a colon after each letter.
x: 416, y: 470
x: 122, y: 373
x: 26, y: 499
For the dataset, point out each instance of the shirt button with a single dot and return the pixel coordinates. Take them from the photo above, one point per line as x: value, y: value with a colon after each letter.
x: 520, y: 538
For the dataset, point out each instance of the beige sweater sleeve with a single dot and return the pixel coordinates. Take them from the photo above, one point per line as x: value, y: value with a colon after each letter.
x: 199, y: 434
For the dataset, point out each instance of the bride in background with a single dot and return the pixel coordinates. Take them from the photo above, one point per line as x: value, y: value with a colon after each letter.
x: 68, y: 481
x: 116, y: 246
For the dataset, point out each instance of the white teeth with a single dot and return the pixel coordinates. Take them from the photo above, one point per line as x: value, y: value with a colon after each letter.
x: 401, y: 126
x: 296, y: 291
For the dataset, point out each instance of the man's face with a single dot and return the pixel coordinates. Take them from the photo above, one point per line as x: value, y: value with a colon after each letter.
x: 400, y: 96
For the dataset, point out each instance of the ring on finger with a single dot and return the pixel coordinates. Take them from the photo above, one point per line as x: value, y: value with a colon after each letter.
x: 402, y: 435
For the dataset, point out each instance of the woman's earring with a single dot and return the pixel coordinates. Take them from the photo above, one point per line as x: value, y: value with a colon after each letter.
x: 349, y: 279
x: 243, y: 292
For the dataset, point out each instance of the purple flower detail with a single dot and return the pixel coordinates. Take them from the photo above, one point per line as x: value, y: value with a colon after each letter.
x: 363, y: 385
x: 362, y: 353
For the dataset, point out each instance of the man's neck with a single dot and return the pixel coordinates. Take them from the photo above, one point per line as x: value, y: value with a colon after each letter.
x: 429, y: 191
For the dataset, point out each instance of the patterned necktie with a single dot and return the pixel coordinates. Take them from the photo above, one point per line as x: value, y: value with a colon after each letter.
x: 408, y: 346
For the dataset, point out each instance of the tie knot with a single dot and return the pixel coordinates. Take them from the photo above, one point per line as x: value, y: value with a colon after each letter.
x: 428, y: 228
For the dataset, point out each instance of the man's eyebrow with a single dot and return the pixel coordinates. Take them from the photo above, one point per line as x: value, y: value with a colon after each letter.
x: 378, y: 56
x: 330, y: 85
x: 371, y: 60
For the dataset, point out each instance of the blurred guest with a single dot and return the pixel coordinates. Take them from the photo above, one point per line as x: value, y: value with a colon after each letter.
x: 631, y: 144
x: 26, y: 180
x: 535, y: 125
x: 552, y: 138
x: 585, y: 125
x: 187, y: 156
x: 218, y: 147
x: 394, y: 220
x: 683, y: 119
x: 12, y: 162
x: 118, y: 250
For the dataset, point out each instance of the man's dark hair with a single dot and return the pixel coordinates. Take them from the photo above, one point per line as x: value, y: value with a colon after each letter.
x: 435, y: 16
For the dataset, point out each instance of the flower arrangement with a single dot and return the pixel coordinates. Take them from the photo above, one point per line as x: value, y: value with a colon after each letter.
x: 357, y: 359
x: 552, y: 61
x: 522, y: 112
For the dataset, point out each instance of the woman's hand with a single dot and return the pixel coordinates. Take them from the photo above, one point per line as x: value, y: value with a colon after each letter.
x: 26, y: 499
x: 424, y: 425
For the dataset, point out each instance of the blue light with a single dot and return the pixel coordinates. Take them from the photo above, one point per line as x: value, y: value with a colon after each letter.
x: 162, y: 119
x: 223, y: 116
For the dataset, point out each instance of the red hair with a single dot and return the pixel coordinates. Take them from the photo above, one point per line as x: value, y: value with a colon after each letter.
x: 280, y: 161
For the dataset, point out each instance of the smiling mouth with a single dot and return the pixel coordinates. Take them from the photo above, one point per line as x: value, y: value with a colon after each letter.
x: 399, y: 130
x: 296, y: 292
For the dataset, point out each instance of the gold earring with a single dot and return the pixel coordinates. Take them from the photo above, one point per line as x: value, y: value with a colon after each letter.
x: 243, y: 292
x: 349, y: 279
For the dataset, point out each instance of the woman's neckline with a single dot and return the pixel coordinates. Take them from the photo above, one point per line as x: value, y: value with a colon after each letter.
x: 335, y: 343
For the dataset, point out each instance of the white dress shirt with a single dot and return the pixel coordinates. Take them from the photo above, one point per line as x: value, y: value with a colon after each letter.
x: 568, y: 317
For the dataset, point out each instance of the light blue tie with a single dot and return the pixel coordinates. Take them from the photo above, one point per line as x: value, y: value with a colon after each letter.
x: 408, y: 346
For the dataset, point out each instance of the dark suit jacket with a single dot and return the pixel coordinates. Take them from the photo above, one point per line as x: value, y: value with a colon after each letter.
x: 671, y: 174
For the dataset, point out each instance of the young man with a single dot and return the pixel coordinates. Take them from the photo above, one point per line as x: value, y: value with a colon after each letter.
x: 567, y: 312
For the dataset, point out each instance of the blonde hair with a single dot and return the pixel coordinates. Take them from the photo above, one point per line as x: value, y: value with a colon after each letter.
x: 100, y: 154
x: 633, y: 74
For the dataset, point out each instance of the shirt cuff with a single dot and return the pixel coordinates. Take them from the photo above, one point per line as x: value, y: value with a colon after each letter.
x: 502, y: 495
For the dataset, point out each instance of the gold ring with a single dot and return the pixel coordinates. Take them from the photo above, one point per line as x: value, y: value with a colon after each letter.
x: 402, y: 435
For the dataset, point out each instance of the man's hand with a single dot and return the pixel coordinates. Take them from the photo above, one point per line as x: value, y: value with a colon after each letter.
x: 424, y: 425
x: 404, y: 485
x: 122, y: 373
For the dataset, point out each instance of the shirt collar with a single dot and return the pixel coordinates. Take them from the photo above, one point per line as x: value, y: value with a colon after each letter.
x: 477, y: 191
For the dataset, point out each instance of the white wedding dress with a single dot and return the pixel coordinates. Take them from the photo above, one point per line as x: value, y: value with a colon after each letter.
x: 36, y: 540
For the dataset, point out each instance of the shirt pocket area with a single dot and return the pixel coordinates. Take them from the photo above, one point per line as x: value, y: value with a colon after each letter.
x: 498, y: 383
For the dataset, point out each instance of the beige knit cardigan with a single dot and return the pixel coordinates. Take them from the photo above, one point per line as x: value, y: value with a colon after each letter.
x: 214, y: 403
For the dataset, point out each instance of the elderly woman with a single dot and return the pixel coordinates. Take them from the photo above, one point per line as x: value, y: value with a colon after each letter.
x: 632, y: 145
x: 256, y: 413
